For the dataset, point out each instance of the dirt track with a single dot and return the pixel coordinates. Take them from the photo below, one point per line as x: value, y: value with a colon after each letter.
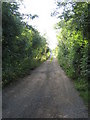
x: 46, y: 93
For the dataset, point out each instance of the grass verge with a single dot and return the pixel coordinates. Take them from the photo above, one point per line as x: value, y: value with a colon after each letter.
x: 82, y: 87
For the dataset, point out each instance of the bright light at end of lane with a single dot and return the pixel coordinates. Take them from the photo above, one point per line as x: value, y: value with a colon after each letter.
x: 44, y: 23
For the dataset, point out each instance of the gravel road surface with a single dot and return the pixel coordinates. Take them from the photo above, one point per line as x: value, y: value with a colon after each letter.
x: 46, y: 93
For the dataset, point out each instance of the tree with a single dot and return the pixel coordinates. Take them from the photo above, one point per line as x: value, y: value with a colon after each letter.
x: 73, y: 42
x: 23, y: 46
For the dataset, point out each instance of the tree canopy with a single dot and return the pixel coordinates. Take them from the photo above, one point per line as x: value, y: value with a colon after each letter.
x: 23, y: 46
x: 73, y: 41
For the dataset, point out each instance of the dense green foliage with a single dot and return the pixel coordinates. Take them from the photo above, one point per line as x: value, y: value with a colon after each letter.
x: 23, y: 46
x: 73, y: 44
